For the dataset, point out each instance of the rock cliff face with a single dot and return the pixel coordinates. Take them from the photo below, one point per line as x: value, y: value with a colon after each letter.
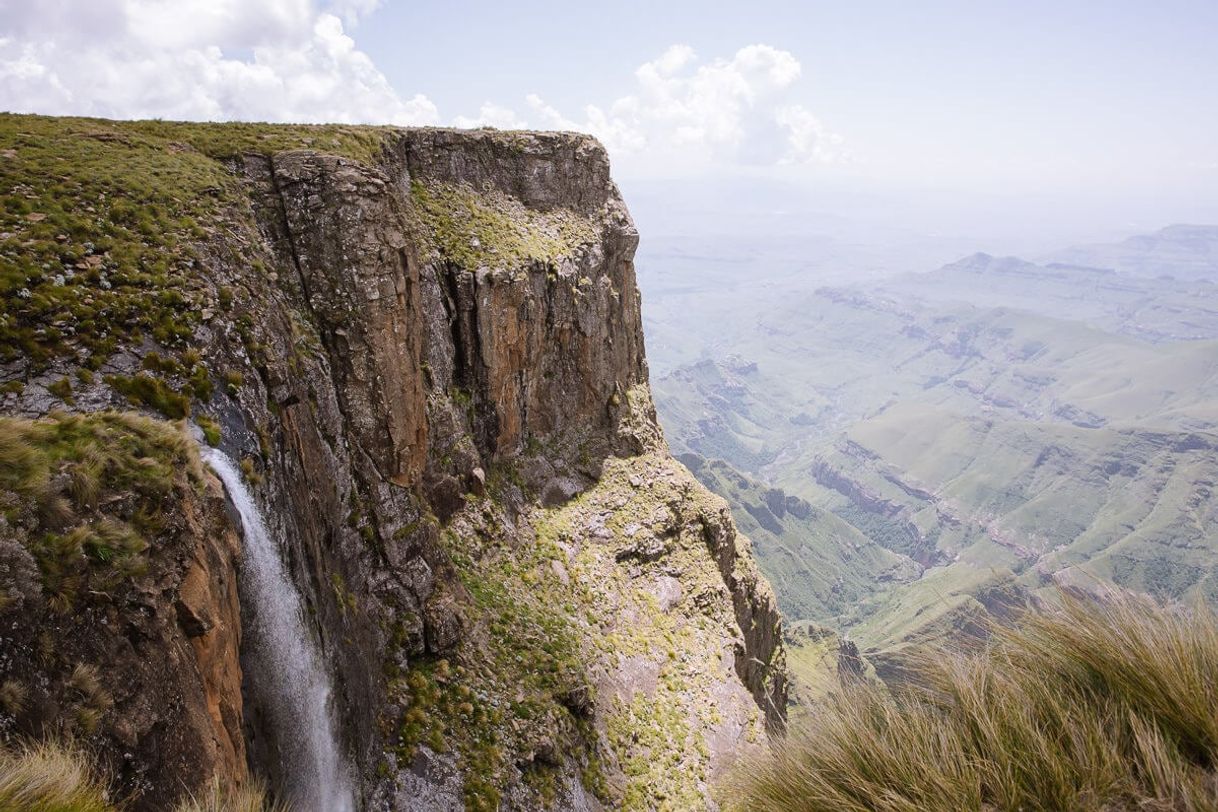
x: 425, y: 347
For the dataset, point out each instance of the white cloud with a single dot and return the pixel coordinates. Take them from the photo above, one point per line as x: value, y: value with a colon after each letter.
x: 492, y: 115
x: 807, y: 137
x: 276, y: 60
x: 739, y: 110
x: 352, y: 11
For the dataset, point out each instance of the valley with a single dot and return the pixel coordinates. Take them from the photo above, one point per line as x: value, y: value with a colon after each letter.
x: 913, y: 453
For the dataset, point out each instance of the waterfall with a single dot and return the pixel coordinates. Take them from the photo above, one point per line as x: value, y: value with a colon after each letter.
x: 292, y: 677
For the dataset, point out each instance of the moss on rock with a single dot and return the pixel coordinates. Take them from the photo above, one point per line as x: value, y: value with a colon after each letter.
x: 575, y: 662
x: 485, y: 228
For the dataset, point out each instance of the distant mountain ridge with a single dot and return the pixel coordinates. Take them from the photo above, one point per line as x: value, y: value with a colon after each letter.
x: 1154, y: 308
x: 1181, y: 251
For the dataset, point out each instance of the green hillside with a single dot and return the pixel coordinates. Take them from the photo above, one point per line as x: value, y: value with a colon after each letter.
x: 819, y: 565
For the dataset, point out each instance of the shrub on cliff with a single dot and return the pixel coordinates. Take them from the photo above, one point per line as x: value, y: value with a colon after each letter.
x: 1086, y: 707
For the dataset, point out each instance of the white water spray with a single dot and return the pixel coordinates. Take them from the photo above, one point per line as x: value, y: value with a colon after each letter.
x: 298, y: 689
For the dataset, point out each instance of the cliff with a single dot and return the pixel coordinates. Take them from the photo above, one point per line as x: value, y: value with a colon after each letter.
x: 425, y: 348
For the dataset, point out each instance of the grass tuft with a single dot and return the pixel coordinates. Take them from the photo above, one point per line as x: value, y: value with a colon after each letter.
x: 1085, y: 707
x: 53, y: 777
x: 216, y: 799
x: 210, y: 429
x: 13, y: 697
x: 148, y: 390
x: 50, y: 778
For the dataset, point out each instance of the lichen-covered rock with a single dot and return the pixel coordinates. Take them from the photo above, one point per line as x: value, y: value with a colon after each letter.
x: 425, y: 347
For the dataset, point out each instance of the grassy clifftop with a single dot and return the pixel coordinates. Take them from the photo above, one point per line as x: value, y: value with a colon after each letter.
x: 101, y: 223
x: 97, y: 221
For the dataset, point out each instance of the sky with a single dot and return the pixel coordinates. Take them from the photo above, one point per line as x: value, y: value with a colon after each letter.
x: 1059, y: 119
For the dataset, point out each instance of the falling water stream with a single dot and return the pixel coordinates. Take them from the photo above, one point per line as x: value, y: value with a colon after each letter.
x: 294, y: 681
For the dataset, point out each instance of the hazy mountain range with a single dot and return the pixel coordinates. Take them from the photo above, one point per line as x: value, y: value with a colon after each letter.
x: 910, y: 452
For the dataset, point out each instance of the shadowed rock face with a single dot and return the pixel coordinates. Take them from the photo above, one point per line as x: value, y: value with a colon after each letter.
x: 441, y: 358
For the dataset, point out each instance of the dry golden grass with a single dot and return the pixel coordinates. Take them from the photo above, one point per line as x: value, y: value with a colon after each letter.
x: 54, y: 777
x: 49, y: 778
x: 1085, y: 707
x: 216, y: 799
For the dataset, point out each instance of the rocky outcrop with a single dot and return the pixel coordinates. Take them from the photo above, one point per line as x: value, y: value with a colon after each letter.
x: 758, y: 660
x: 828, y: 476
x: 426, y: 347
x: 128, y: 644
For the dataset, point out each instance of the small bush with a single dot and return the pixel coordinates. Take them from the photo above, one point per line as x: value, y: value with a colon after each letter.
x: 1087, y: 707
x: 233, y: 381
x: 211, y: 430
x: 12, y: 697
x: 150, y: 391
x: 250, y: 471
x: 61, y: 389
x: 200, y: 383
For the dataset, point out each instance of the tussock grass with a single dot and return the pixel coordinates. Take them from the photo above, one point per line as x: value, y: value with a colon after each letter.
x: 57, y: 777
x: 252, y: 798
x: 1085, y: 707
x: 50, y: 778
